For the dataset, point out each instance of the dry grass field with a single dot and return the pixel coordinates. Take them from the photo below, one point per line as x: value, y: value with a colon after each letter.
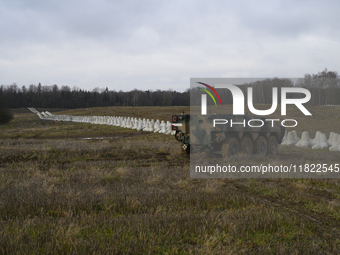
x: 130, y: 193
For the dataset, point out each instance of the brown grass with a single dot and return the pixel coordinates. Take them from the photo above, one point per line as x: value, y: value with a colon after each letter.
x: 132, y: 194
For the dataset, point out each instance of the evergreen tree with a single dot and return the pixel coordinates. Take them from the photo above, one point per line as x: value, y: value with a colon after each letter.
x: 5, y: 115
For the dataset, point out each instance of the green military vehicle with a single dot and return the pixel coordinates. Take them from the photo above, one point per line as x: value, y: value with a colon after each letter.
x: 227, y: 134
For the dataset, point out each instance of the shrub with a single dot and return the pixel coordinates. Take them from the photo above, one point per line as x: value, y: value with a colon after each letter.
x: 5, y: 115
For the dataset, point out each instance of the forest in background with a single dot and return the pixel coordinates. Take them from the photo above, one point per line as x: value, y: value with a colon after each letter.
x: 65, y: 97
x: 324, y: 87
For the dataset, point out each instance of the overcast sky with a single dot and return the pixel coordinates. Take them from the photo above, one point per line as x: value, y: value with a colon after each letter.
x: 154, y: 45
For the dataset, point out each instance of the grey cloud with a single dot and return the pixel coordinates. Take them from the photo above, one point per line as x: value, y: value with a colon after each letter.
x: 158, y: 43
x: 291, y: 18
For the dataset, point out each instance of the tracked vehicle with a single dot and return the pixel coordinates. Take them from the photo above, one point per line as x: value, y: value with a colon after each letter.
x: 229, y: 135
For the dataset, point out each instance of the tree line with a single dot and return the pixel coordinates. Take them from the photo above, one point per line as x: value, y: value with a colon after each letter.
x: 324, y: 87
x: 65, y: 97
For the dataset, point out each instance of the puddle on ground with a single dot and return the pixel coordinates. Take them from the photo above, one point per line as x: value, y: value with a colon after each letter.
x: 100, y: 138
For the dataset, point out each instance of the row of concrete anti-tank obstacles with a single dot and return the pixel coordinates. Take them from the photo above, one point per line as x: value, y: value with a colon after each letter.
x: 290, y: 138
x: 125, y: 122
x: 320, y: 140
